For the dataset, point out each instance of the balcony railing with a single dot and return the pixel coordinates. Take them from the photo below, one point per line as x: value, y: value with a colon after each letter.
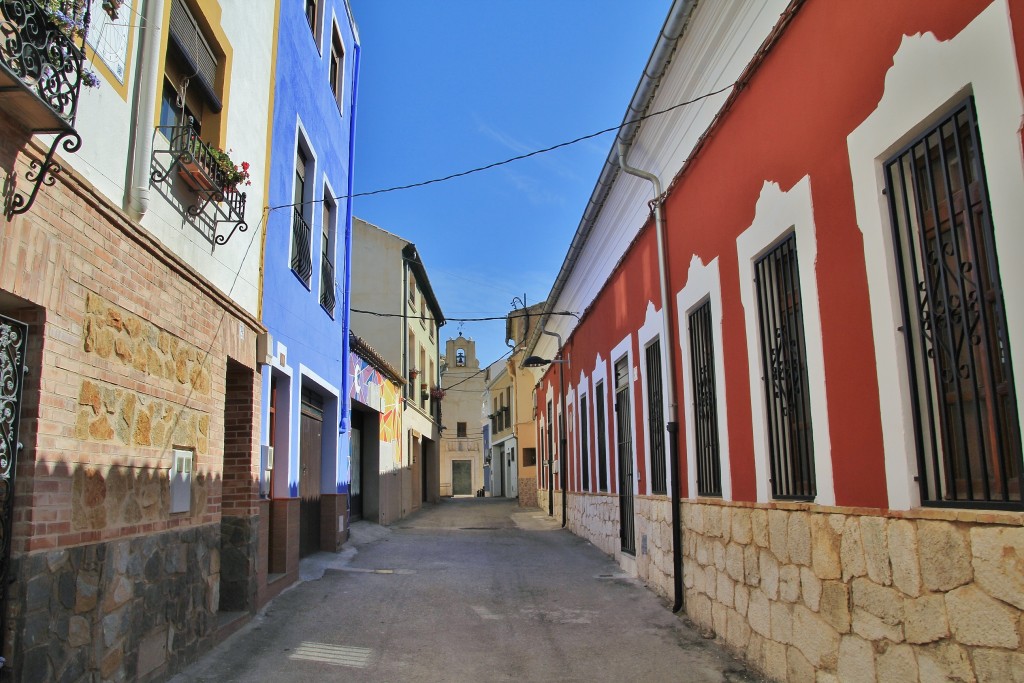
x: 302, y: 263
x: 42, y: 71
x: 327, y: 284
x: 199, y: 165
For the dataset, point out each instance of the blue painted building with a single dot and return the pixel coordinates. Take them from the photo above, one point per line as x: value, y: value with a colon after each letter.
x: 304, y: 468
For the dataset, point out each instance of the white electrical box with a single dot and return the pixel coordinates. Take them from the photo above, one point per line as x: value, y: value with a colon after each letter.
x: 264, y: 349
x: 181, y: 481
x: 268, y: 457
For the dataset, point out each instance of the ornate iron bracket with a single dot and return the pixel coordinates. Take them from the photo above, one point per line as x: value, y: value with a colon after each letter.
x: 40, y: 174
x: 196, y: 164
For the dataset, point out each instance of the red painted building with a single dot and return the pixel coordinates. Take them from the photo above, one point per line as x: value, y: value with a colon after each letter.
x: 839, y: 207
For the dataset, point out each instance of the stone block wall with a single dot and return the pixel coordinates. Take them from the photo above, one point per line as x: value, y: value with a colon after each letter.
x: 129, y: 347
x: 129, y: 610
x: 527, y: 492
x: 595, y: 517
x: 811, y: 594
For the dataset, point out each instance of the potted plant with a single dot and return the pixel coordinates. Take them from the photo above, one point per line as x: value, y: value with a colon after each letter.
x: 69, y: 18
x: 437, y: 393
x: 208, y: 168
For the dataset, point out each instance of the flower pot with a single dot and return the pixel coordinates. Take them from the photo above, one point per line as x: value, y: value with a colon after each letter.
x: 194, y: 176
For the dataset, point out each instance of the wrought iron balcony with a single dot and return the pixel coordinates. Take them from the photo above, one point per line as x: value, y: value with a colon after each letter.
x: 327, y: 284
x: 202, y: 168
x: 302, y: 263
x: 42, y: 70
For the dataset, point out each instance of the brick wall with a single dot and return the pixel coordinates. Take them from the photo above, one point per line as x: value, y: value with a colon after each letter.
x: 241, y: 473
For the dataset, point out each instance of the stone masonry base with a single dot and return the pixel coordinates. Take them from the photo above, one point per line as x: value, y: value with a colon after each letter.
x: 130, y: 609
x: 837, y: 594
x: 840, y: 595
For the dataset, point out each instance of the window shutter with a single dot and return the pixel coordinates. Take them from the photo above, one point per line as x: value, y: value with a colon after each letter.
x: 187, y: 37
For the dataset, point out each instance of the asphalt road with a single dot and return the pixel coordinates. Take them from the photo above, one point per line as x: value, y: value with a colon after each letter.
x: 467, y: 590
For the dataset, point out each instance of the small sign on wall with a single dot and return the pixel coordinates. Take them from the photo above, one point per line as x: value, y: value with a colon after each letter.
x: 181, y: 481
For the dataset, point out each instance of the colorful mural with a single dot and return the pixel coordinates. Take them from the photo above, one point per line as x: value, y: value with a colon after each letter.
x: 372, y: 388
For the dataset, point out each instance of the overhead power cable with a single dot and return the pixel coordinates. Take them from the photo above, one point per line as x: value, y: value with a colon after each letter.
x: 457, y: 320
x: 481, y: 370
x: 519, y: 157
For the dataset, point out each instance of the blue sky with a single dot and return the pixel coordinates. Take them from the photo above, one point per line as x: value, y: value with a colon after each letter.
x: 449, y: 85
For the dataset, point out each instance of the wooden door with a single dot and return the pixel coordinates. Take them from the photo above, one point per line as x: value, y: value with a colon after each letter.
x: 310, y: 444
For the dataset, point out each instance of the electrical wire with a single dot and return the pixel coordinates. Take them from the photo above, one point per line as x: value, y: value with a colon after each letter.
x: 458, y: 320
x: 481, y: 370
x: 519, y: 157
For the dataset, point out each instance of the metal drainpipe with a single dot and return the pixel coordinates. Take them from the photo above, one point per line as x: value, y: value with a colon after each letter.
x: 668, y: 360
x: 138, y: 195
x: 561, y: 433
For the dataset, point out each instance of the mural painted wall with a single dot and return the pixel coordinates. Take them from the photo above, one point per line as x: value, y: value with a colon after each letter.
x: 372, y: 388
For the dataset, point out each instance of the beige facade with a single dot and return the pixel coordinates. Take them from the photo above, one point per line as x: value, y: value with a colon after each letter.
x: 389, y: 278
x: 518, y: 326
x: 503, y: 455
x: 462, y: 444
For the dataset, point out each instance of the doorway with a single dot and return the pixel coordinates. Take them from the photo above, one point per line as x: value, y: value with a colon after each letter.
x: 462, y: 477
x: 311, y: 444
x: 355, y: 468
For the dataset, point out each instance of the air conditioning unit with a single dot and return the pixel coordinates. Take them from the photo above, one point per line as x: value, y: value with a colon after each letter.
x: 264, y: 349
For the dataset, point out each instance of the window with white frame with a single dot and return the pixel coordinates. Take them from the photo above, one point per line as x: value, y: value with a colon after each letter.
x: 954, y: 317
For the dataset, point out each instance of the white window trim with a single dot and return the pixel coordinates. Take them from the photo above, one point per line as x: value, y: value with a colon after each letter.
x: 599, y: 375
x: 339, y: 97
x: 778, y: 213
x: 570, y: 458
x: 703, y: 283
x: 648, y: 333
x: 302, y: 141
x: 927, y: 77
x: 623, y: 348
x: 583, y: 436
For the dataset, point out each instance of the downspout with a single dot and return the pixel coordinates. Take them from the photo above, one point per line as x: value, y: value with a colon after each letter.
x: 668, y: 361
x: 344, y: 425
x: 562, y: 441
x: 138, y: 194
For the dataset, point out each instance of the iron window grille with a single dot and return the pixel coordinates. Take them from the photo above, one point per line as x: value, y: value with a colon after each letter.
x: 42, y: 70
x: 302, y: 263
x: 656, y: 418
x: 705, y: 402
x: 784, y: 367
x: 602, y: 436
x: 197, y: 164
x: 624, y: 451
x: 584, y: 449
x: 954, y: 318
x: 327, y: 299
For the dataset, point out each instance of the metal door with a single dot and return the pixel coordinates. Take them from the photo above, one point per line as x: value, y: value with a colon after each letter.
x: 462, y: 478
x: 13, y: 338
x: 623, y: 417
x: 310, y: 444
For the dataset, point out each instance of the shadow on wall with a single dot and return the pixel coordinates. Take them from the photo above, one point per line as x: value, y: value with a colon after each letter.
x: 116, y: 583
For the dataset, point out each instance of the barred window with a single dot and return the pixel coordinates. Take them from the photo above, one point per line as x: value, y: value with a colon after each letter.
x: 784, y: 372
x: 601, y: 436
x: 705, y: 402
x: 656, y: 418
x: 584, y: 450
x: 954, y: 318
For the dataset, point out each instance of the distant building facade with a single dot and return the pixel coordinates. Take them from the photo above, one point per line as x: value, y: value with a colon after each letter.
x: 304, y: 466
x: 462, y: 447
x: 395, y: 311
x: 501, y: 451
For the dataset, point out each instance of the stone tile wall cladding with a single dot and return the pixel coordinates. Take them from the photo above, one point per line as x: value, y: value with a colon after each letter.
x: 841, y: 595
x: 528, y: 492
x: 129, y: 349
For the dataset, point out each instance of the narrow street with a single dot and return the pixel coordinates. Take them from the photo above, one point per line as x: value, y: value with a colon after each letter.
x: 470, y: 589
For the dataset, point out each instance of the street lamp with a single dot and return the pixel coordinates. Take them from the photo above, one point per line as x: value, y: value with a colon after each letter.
x: 537, y: 362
